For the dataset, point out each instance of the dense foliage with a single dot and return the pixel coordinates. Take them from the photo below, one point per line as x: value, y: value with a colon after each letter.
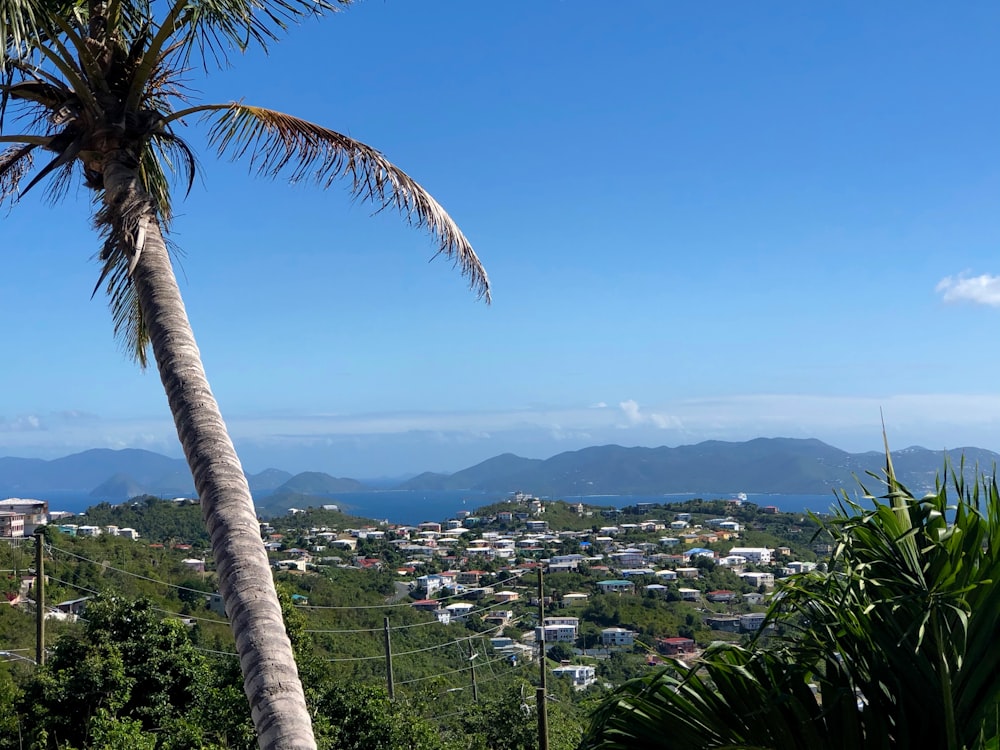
x: 891, y: 646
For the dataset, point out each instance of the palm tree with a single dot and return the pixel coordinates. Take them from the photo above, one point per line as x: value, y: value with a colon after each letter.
x: 896, y: 639
x: 97, y: 88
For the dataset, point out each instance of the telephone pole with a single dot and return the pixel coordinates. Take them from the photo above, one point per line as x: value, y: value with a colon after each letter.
x: 39, y: 597
x: 475, y: 687
x: 388, y: 661
x: 540, y: 700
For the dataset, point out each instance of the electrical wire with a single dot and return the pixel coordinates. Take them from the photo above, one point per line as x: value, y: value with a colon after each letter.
x: 411, y: 625
x: 409, y: 604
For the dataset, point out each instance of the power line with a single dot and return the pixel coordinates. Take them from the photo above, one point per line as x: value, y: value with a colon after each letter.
x: 416, y: 650
x: 411, y: 625
x: 126, y: 572
x: 108, y: 566
x: 451, y: 671
x: 155, y: 609
x: 408, y: 604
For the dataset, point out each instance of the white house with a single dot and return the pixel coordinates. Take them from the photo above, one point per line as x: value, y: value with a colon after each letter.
x: 35, y: 512
x: 689, y: 595
x: 460, y: 610
x: 580, y: 675
x: 755, y: 555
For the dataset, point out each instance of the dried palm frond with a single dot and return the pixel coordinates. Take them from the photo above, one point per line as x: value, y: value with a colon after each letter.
x: 14, y: 164
x: 278, y: 143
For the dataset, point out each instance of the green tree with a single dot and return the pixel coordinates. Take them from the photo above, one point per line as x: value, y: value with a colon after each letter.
x: 897, y: 636
x: 128, y: 664
x: 99, y: 87
x: 509, y: 721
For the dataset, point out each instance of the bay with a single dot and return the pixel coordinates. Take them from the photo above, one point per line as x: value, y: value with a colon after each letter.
x: 415, y: 506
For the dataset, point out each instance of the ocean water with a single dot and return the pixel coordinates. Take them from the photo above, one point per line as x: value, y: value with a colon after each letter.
x: 414, y: 506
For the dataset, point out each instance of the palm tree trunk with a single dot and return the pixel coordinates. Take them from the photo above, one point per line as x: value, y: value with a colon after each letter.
x: 270, y: 676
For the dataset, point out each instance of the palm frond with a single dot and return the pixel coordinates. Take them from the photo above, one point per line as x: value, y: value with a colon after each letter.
x: 14, y: 164
x: 22, y: 23
x: 734, y: 698
x: 123, y: 229
x: 278, y: 144
x: 166, y: 153
x: 223, y: 24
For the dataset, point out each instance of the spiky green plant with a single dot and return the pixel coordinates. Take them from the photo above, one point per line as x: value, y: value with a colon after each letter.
x: 891, y: 646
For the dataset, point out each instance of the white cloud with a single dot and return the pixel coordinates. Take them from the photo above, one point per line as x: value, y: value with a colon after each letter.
x: 981, y: 290
x: 372, y: 444
x: 634, y: 416
x: 22, y: 423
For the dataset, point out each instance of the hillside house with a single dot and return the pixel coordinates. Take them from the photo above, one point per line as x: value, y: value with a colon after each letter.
x: 725, y: 623
x: 617, y: 586
x: 555, y: 634
x: 35, y: 512
x: 617, y: 637
x: 579, y: 675
x: 11, y: 524
x: 676, y: 646
x: 759, y: 579
x: 755, y: 555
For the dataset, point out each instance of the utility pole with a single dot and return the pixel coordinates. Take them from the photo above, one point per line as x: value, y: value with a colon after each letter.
x: 388, y: 662
x: 540, y: 700
x: 475, y: 687
x: 39, y: 597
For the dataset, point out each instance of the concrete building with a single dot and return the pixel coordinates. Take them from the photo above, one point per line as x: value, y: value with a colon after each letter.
x: 618, y: 586
x: 580, y: 675
x: 617, y: 637
x: 11, y: 524
x: 755, y: 555
x: 35, y: 512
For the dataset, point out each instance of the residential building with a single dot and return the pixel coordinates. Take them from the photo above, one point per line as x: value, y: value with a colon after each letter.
x: 555, y: 634
x: 580, y: 675
x: 759, y: 579
x: 628, y: 558
x: 35, y: 512
x: 11, y: 524
x: 617, y: 637
x: 751, y: 623
x: 676, y: 646
x: 689, y: 595
x: 619, y: 586
x: 755, y: 555
x: 460, y: 610
x: 721, y: 595
x: 723, y: 622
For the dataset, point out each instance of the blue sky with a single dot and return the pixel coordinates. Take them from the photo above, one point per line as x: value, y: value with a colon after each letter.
x: 700, y: 222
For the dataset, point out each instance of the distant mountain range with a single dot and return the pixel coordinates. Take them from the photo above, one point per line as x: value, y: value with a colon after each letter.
x: 763, y: 465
